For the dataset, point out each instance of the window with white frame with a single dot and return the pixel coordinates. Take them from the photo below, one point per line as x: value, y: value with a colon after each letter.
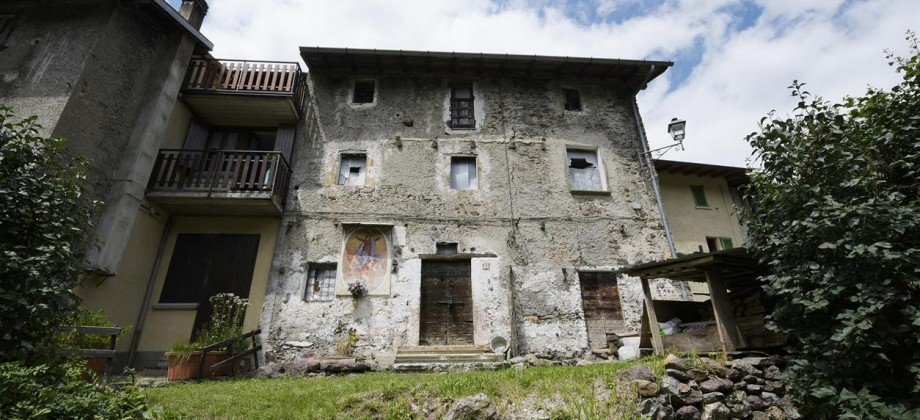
x: 463, y: 173
x: 584, y: 170
x: 320, y: 283
x: 352, y: 168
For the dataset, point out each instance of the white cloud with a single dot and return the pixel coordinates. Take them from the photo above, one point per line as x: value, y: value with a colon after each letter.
x: 740, y: 77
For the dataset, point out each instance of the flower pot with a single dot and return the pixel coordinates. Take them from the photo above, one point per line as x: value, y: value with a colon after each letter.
x: 95, y: 367
x: 179, y: 370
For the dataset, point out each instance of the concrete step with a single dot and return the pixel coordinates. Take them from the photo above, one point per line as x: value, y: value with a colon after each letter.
x: 449, y: 358
x: 444, y: 349
x: 448, y: 367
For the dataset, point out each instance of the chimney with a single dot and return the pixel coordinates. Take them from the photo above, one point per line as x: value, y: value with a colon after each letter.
x: 193, y: 11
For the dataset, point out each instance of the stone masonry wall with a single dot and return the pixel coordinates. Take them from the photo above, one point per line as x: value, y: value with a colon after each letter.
x: 523, y: 212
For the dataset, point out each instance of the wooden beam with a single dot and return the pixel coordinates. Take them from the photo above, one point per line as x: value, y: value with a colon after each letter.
x: 652, y: 318
x: 722, y: 308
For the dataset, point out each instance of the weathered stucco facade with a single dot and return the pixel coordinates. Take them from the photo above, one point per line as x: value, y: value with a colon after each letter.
x: 525, y: 232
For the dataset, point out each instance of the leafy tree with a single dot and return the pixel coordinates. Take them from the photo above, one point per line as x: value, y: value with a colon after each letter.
x: 43, y: 220
x: 837, y: 219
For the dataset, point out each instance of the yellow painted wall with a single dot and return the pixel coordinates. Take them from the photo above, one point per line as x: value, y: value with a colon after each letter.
x: 121, y: 296
x: 691, y: 225
x: 166, y: 327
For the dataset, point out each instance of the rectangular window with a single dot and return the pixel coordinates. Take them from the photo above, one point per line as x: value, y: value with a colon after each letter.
x: 461, y: 106
x: 719, y: 243
x: 584, y: 171
x: 446, y: 248
x: 320, y: 283
x: 364, y: 92
x: 699, y: 196
x: 351, y: 169
x: 463, y: 173
x: 572, y: 100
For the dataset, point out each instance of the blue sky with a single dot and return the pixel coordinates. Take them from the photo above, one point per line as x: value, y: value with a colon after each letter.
x: 733, y: 58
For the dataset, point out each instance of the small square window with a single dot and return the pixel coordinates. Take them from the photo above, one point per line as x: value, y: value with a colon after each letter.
x: 446, y: 248
x: 463, y: 173
x: 352, y: 169
x: 572, y: 100
x: 699, y: 196
x: 320, y: 283
x: 363, y: 93
x: 461, y: 106
x: 584, y: 171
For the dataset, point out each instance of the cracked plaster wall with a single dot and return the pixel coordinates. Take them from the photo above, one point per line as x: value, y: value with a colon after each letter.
x: 523, y: 211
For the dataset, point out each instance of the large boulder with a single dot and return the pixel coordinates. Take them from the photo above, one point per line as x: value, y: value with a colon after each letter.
x: 687, y: 412
x: 658, y: 408
x: 715, y: 385
x: 637, y: 372
x: 646, y: 389
x: 474, y: 407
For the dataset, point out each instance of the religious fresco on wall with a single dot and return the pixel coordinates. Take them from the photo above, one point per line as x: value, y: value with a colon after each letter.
x: 365, y: 259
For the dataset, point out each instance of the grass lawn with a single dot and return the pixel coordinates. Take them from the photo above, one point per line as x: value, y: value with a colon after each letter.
x: 560, y: 391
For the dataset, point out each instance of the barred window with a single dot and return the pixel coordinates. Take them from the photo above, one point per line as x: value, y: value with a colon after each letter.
x: 320, y: 283
x: 461, y: 106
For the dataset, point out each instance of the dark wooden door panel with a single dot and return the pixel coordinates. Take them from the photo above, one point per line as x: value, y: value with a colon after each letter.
x: 446, y: 303
x: 600, y: 296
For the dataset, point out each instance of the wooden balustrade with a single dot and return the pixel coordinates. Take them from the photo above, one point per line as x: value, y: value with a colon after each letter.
x: 247, y: 77
x: 210, y: 171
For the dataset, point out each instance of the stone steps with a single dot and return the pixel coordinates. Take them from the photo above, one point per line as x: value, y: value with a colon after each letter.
x: 440, y: 358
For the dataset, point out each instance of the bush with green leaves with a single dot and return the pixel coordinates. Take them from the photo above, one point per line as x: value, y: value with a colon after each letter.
x: 837, y: 219
x: 43, y: 220
x: 57, y: 392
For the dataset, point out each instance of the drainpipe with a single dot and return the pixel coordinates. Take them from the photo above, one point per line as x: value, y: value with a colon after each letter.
x: 646, y: 158
x: 148, y: 295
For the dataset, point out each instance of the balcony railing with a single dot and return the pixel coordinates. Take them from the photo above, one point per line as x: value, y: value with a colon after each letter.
x: 247, y: 77
x: 210, y: 172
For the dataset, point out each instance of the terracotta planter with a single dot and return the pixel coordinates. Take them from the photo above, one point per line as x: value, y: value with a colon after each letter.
x: 94, y: 365
x: 188, y: 369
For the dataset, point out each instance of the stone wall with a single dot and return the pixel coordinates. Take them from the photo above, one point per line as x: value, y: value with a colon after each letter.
x: 523, y: 212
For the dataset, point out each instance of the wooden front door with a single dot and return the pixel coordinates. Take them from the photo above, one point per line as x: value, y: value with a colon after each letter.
x: 600, y: 298
x: 447, y: 303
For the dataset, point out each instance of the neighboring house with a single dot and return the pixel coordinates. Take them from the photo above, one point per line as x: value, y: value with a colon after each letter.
x: 699, y: 201
x: 478, y: 198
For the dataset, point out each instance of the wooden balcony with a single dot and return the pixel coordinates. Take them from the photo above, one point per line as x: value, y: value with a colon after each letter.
x: 253, y: 93
x: 225, y: 182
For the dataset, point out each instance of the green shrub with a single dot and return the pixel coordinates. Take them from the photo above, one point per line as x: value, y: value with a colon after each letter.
x: 837, y: 219
x: 44, y: 217
x: 57, y: 392
x: 86, y: 318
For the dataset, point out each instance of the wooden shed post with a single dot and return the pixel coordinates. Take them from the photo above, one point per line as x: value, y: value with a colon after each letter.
x: 722, y: 309
x: 652, y: 318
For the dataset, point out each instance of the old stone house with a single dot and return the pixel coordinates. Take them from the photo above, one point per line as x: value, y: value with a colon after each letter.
x: 476, y: 196
x: 479, y: 199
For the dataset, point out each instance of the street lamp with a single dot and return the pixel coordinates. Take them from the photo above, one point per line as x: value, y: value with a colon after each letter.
x: 676, y: 129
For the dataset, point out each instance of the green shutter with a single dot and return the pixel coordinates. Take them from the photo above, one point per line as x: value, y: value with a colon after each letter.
x: 699, y: 196
x: 726, y: 243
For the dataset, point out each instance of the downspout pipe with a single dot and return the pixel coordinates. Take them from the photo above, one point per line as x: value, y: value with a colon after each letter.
x: 646, y: 159
x: 148, y: 295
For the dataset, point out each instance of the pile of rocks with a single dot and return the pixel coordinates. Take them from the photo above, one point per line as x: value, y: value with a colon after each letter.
x: 312, y: 367
x: 746, y: 388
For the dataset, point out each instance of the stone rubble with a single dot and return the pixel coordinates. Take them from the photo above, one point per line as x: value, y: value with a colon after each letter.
x: 746, y: 388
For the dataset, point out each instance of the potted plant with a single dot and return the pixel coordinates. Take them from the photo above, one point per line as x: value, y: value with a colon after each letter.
x: 357, y: 289
x: 184, y: 359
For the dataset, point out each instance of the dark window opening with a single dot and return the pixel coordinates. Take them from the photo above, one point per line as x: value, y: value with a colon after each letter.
x: 364, y: 92
x: 461, y: 107
x: 320, y: 283
x: 446, y: 248
x: 572, y: 100
x: 719, y: 243
x: 579, y: 163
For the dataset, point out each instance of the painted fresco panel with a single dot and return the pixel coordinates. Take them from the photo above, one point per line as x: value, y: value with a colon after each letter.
x: 365, y: 259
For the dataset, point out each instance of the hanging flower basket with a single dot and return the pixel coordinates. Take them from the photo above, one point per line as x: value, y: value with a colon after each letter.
x: 357, y: 289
